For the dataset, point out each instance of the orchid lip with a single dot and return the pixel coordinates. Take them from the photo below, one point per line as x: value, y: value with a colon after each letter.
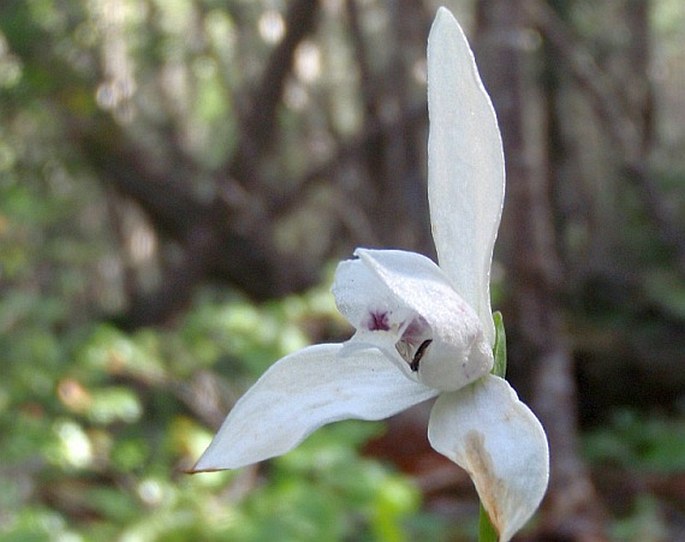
x: 414, y: 341
x: 414, y: 334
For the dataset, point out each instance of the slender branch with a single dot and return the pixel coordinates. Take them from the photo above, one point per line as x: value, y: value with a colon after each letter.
x: 659, y: 210
x: 606, y: 100
x: 347, y: 152
x: 258, y: 125
x: 608, y: 103
x: 212, y: 246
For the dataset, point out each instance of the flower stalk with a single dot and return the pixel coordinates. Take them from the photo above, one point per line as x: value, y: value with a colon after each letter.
x: 486, y: 530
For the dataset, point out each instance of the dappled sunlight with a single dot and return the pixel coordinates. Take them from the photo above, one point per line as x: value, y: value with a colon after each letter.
x: 271, y: 26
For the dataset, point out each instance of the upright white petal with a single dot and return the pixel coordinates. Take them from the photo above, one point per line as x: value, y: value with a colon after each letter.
x: 419, y: 304
x: 302, y: 392
x: 487, y: 431
x: 465, y: 166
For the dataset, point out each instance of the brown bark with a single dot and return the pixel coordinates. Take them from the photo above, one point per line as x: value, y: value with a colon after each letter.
x: 571, y: 507
x: 212, y: 245
x: 390, y: 158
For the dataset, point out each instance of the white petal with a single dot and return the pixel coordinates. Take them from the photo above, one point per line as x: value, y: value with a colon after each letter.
x: 465, y: 166
x: 492, y: 435
x: 403, y: 285
x: 360, y: 294
x: 302, y: 392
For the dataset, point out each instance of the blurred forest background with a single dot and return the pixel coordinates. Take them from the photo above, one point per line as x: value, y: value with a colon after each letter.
x: 178, y: 179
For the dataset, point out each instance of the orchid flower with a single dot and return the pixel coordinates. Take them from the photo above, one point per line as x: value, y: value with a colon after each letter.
x: 422, y: 331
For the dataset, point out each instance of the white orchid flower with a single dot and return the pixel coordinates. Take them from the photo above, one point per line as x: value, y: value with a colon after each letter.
x: 422, y: 331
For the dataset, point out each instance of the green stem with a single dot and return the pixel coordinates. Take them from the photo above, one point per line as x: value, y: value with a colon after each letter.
x: 486, y: 530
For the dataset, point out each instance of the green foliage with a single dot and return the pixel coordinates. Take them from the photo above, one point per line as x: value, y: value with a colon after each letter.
x: 311, y: 485
x: 630, y: 451
x: 97, y: 425
x: 646, y: 523
x: 665, y: 288
x: 636, y: 441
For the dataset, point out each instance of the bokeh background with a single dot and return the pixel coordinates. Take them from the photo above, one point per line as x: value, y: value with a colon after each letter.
x: 178, y: 179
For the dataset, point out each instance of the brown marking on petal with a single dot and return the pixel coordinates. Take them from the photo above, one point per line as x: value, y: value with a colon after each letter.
x: 200, y: 471
x: 482, y: 472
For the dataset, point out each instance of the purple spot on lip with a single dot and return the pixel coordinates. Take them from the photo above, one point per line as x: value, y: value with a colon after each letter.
x: 378, y: 321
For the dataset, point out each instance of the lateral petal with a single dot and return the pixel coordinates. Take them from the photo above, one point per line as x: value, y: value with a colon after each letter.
x: 487, y: 431
x: 465, y: 166
x: 300, y: 393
